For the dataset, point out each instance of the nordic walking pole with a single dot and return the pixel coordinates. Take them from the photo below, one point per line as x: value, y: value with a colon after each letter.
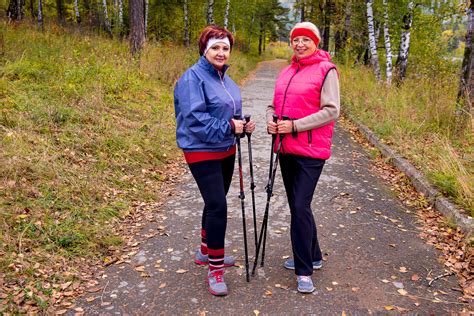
x: 265, y: 215
x: 242, y: 198
x: 277, y: 156
x: 252, y: 183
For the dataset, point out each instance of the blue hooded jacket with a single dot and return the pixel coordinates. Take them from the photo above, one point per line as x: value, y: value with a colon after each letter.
x: 204, y: 102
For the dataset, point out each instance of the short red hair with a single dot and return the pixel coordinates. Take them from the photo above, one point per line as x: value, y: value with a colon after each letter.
x: 211, y: 31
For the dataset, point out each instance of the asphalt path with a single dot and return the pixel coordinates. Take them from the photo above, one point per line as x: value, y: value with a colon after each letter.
x: 374, y: 261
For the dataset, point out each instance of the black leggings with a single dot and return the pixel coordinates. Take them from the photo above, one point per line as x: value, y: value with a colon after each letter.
x: 213, y: 178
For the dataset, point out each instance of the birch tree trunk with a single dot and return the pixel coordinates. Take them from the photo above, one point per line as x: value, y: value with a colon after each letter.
x: 146, y: 17
x: 137, y: 27
x: 210, y: 12
x: 76, y: 11
x: 388, y: 48
x: 226, y: 14
x: 372, y: 43
x: 186, y: 23
x: 40, y: 14
x: 106, y: 18
x: 15, y: 10
x: 120, y: 16
x: 466, y: 87
x: 402, y: 60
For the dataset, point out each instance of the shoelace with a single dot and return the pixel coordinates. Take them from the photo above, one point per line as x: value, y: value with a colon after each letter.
x: 218, y: 275
x: 305, y: 278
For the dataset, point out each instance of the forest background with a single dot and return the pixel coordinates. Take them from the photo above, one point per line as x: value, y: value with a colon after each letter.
x: 87, y: 120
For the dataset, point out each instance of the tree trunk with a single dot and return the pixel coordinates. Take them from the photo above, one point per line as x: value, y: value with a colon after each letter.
x: 32, y: 9
x: 137, y: 27
x: 76, y: 11
x: 402, y: 60
x: 60, y: 11
x: 302, y: 8
x: 466, y: 86
x: 210, y: 12
x: 388, y: 48
x: 186, y: 23
x: 40, y: 14
x: 264, y: 39
x: 250, y: 32
x: 372, y: 43
x: 341, y: 37
x: 107, y: 27
x: 327, y: 25
x: 146, y: 17
x: 226, y: 14
x: 120, y: 16
x: 260, y: 39
x: 15, y: 10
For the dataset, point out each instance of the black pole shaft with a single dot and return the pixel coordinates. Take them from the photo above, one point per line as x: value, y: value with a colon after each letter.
x: 242, y: 198
x: 252, y: 183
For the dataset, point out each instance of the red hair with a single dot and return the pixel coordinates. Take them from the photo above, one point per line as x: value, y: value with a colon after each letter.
x: 211, y: 31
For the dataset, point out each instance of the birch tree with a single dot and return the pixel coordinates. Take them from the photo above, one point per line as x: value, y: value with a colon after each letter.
x: 372, y: 43
x: 388, y: 48
x: 106, y: 18
x: 402, y: 60
x: 15, y: 10
x: 226, y: 13
x: 146, y: 17
x: 186, y: 23
x: 137, y: 27
x: 40, y: 14
x: 76, y: 11
x: 210, y: 12
x: 120, y: 16
x: 466, y: 87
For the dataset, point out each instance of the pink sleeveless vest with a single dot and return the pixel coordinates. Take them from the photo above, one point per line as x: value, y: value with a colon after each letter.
x: 297, y: 94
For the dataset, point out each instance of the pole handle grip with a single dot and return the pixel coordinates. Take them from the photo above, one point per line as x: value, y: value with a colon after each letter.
x: 275, y: 118
x: 285, y: 118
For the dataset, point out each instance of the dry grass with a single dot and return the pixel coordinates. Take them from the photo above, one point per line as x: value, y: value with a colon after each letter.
x: 418, y: 119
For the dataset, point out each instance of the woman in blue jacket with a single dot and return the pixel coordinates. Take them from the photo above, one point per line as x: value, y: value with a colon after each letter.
x: 205, y: 102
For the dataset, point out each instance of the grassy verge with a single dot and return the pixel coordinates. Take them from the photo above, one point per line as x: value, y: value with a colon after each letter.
x: 85, y: 133
x: 417, y: 118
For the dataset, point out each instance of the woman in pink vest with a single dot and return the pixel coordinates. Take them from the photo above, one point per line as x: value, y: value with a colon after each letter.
x: 307, y: 92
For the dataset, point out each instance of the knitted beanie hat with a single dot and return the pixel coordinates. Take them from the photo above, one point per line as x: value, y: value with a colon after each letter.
x: 306, y: 29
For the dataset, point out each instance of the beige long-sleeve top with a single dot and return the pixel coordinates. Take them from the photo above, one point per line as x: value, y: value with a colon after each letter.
x: 329, y: 109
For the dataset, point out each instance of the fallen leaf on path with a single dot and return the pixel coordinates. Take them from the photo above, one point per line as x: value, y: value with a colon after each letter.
x: 334, y: 283
x: 403, y: 270
x: 385, y: 281
x: 162, y: 285
x: 392, y: 245
x: 415, y: 277
x: 389, y: 307
x: 256, y: 312
x: 355, y: 289
x: 285, y: 257
x: 144, y: 275
x: 90, y: 299
x: 140, y: 268
x: 61, y: 312
x: 268, y: 293
x: 329, y: 289
x: 402, y: 292
x: 181, y: 271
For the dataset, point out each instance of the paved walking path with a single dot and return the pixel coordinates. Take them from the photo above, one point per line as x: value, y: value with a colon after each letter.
x: 372, y: 251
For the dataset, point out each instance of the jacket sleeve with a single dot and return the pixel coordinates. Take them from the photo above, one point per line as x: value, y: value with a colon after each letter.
x: 193, y: 107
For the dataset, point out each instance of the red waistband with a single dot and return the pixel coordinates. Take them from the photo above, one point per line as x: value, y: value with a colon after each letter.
x: 197, y: 156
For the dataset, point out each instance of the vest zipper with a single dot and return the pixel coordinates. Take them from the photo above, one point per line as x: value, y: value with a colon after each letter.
x: 310, y: 137
x: 225, y: 89
x: 286, y: 90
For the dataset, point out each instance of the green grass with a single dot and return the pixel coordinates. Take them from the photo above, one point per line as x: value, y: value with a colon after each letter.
x: 84, y: 131
x: 418, y: 119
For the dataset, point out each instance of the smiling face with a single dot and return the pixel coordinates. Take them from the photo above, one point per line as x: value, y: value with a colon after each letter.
x: 303, y: 46
x: 218, y: 54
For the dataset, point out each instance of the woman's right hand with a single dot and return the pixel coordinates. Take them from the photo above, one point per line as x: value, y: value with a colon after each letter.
x: 272, y: 127
x: 238, y: 126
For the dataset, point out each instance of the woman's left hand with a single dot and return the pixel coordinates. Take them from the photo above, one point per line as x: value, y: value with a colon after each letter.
x: 249, y: 127
x: 285, y: 126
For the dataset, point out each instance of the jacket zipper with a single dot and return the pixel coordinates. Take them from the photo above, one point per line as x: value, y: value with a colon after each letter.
x: 222, y: 82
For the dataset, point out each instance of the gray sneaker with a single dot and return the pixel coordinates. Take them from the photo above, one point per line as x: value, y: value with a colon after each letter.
x: 290, y: 264
x: 305, y: 284
x: 216, y: 282
x: 201, y: 259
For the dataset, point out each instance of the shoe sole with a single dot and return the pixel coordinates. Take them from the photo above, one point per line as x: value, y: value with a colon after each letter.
x: 205, y: 263
x: 314, y: 267
x: 306, y: 292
